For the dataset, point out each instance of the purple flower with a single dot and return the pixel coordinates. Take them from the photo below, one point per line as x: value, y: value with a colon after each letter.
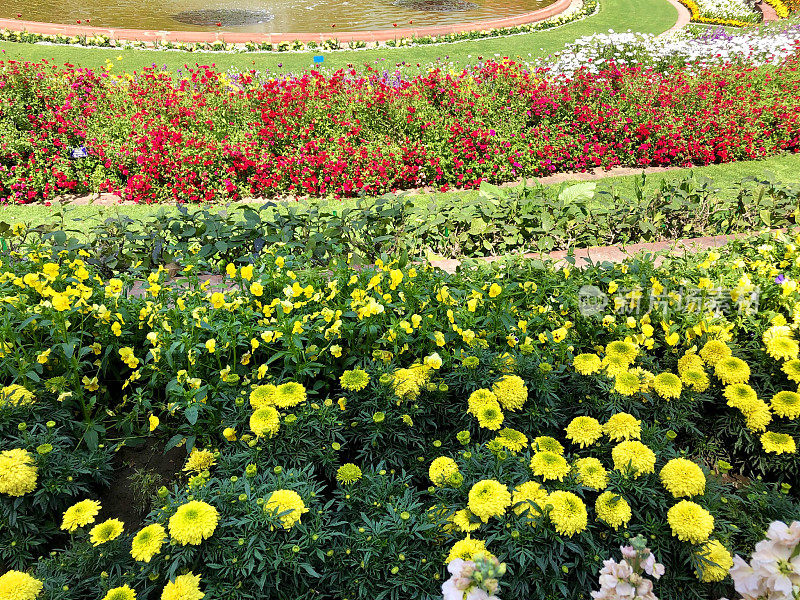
x: 780, y: 278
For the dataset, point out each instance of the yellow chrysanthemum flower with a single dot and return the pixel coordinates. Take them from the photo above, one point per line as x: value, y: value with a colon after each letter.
x: 184, y: 587
x: 512, y: 440
x: 758, y: 419
x: 467, y: 549
x: 715, y: 561
x: 288, y: 505
x: 549, y: 465
x: 732, y: 370
x: 714, y: 351
x: 628, y: 350
x: 465, y: 521
x: 792, y: 370
x: 524, y: 495
x: 613, y: 509
x: 490, y: 416
x: 193, y: 522
x: 545, y: 443
x: 147, y: 543
x: 16, y: 585
x: 627, y: 383
x: 511, y: 392
x: 778, y: 443
x: 354, y: 380
x: 265, y: 421
x: 667, y: 385
x: 441, y: 470
x: 614, y: 364
x: 690, y: 360
x: 780, y: 343
x: 349, y: 473
x: 587, y: 364
x: 108, y: 530
x: 80, y: 514
x: 682, y: 477
x: 623, y: 426
x: 584, y: 431
x: 15, y: 395
x: 488, y: 498
x: 690, y: 522
x: 568, y: 513
x: 591, y: 473
x: 633, y: 458
x: 696, y: 379
x: 479, y: 399
x: 18, y: 472
x: 742, y: 396
x: 786, y: 404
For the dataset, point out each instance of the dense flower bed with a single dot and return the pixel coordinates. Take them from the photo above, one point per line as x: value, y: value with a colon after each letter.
x: 735, y: 13
x: 349, y: 432
x: 207, y: 136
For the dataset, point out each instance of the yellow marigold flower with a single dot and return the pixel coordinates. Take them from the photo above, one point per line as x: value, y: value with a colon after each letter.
x: 480, y: 398
x: 743, y: 397
x: 354, y: 380
x: 229, y: 433
x: 689, y: 360
x: 525, y: 495
x: 780, y: 344
x: 584, y: 431
x: 732, y: 370
x: 199, y: 461
x: 568, y: 513
x: 124, y: 592
x: 690, y: 522
x: 549, y: 465
x: 633, y: 458
x: 786, y: 404
x: 184, y: 587
x: 586, y: 364
x: 465, y: 521
x: 16, y: 585
x: 623, y: 426
x: 108, y: 530
x: 18, y: 472
x: 80, y: 514
x: 646, y: 379
x: 591, y: 473
x: 627, y: 383
x: 467, y: 549
x: 147, y: 543
x: 682, y: 477
x: 758, y: 419
x: 714, y: 351
x: 695, y: 378
x: 627, y: 350
x: 546, y: 443
x: 667, y: 385
x: 490, y: 416
x: 511, y: 392
x: 262, y: 396
x: 614, y: 364
x: 349, y: 473
x: 715, y: 561
x: 612, y: 509
x: 287, y: 505
x: 512, y: 440
x: 193, y: 522
x: 15, y: 395
x: 265, y: 421
x: 488, y: 498
x: 778, y: 443
x: 289, y: 394
x: 441, y: 470
x: 792, y: 370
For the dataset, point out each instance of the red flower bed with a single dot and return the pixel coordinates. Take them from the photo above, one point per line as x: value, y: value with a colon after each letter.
x: 157, y: 136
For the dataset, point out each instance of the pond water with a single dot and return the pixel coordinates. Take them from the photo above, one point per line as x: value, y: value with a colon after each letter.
x: 266, y: 15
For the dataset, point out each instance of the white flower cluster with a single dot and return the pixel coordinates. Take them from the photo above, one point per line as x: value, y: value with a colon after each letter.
x: 738, y: 10
x: 625, y: 580
x: 773, y: 572
x: 476, y: 579
x: 715, y: 48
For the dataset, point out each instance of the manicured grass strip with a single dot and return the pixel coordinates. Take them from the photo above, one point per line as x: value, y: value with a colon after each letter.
x: 785, y: 169
x: 645, y: 16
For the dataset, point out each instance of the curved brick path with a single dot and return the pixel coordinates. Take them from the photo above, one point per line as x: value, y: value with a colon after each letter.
x: 684, y: 17
x: 149, y: 35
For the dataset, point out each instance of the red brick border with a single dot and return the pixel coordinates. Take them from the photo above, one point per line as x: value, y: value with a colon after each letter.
x: 150, y: 35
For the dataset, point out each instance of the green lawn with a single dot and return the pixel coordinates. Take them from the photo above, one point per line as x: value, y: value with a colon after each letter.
x: 645, y: 16
x: 785, y: 169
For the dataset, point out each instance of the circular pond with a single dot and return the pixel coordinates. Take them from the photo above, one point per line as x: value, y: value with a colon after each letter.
x: 294, y: 16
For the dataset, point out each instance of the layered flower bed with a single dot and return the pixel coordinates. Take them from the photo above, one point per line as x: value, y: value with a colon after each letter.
x: 348, y: 433
x: 206, y: 136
